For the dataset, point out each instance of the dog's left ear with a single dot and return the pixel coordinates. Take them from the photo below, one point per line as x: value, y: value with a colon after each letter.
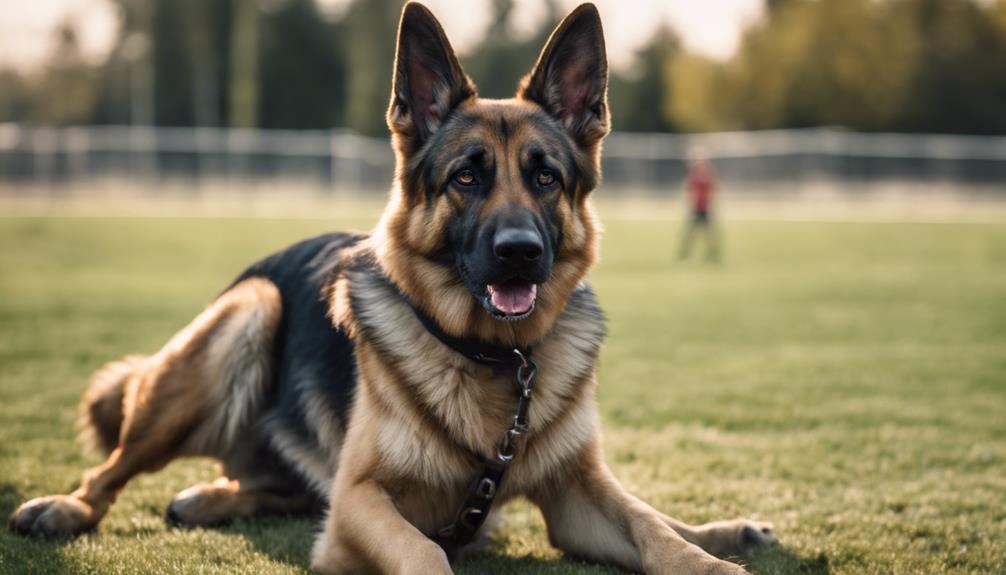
x: 570, y: 79
x: 428, y: 82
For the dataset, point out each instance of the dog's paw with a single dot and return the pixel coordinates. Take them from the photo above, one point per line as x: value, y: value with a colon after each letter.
x: 726, y: 568
x: 52, y: 516
x: 756, y: 534
x: 205, y: 505
x: 737, y: 537
x: 702, y: 562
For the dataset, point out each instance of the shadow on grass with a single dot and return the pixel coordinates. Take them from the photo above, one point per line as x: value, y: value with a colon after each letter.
x: 774, y: 561
x: 780, y: 560
x: 285, y: 539
x: 489, y: 563
x: 282, y: 538
x: 10, y: 498
x: 289, y: 540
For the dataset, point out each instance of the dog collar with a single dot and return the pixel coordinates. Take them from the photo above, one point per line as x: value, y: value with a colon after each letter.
x: 497, y: 357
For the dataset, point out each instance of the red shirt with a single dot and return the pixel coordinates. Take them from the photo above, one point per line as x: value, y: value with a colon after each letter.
x: 701, y: 186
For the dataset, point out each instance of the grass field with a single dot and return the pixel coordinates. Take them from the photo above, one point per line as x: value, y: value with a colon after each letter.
x: 846, y: 381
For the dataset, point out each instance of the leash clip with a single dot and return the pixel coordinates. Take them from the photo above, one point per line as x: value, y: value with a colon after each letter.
x: 523, y: 359
x: 526, y: 372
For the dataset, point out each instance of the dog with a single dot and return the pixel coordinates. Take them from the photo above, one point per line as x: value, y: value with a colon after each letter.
x: 411, y: 379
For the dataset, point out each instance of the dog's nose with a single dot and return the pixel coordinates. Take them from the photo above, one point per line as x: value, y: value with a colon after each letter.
x: 517, y: 246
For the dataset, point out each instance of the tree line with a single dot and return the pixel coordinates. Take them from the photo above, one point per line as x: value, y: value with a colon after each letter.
x: 871, y: 65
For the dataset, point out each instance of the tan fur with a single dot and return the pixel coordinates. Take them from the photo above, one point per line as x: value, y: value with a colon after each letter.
x: 225, y: 499
x: 100, y: 413
x: 405, y: 237
x: 419, y: 400
x: 171, y: 403
x: 589, y: 515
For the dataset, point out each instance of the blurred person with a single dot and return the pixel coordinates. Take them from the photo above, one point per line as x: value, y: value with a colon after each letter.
x: 700, y: 185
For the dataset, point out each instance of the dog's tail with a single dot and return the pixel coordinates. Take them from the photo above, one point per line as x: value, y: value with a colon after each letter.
x: 101, y: 408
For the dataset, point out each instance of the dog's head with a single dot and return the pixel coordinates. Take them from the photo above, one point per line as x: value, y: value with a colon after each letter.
x: 490, y: 226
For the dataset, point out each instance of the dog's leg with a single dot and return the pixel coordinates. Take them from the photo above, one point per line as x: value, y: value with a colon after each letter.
x: 254, y: 482
x: 590, y: 515
x: 226, y: 499
x: 731, y: 538
x: 365, y: 533
x: 163, y: 404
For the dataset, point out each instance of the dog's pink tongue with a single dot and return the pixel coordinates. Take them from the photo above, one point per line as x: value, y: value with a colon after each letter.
x: 513, y: 298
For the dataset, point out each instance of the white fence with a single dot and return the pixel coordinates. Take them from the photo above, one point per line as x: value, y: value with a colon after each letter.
x: 337, y: 159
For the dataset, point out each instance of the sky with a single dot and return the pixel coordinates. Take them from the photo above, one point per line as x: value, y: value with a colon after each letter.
x: 711, y: 27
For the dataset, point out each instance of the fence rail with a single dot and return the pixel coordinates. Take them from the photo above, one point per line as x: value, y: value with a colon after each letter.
x: 333, y: 159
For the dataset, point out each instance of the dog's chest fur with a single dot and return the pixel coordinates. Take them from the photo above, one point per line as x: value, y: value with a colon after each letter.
x: 435, y: 409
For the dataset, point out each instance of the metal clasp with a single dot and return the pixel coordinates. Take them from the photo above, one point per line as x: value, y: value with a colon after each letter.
x: 486, y: 488
x: 526, y: 372
x: 508, y: 445
x: 523, y: 358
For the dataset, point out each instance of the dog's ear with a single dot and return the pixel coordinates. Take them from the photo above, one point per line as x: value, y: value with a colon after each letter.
x: 428, y: 82
x: 570, y: 79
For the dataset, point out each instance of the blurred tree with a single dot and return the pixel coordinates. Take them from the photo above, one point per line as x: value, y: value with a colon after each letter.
x: 774, y: 6
x: 368, y: 36
x: 303, y: 68
x: 998, y: 13
x: 915, y: 65
x: 695, y: 100
x: 275, y: 64
x: 907, y: 65
x: 15, y: 96
x: 172, y: 57
x: 640, y: 97
x: 128, y: 74
x: 960, y: 84
x: 244, y: 69
x: 206, y: 24
x: 64, y: 93
x: 498, y: 63
x: 854, y: 68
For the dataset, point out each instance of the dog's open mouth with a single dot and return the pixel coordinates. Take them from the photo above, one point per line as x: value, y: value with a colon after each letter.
x: 511, y: 300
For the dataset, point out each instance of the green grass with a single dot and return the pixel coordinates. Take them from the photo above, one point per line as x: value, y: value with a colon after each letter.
x: 846, y: 381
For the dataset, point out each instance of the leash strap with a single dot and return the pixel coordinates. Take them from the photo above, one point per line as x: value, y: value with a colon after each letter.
x: 482, y: 491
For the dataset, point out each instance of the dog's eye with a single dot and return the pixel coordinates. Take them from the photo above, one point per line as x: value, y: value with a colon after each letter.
x: 465, y: 178
x: 546, y: 178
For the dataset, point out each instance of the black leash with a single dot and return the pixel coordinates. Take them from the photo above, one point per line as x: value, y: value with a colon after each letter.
x: 482, y: 491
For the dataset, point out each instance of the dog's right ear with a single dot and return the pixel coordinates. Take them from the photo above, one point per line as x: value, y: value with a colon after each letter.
x: 570, y: 80
x: 428, y: 83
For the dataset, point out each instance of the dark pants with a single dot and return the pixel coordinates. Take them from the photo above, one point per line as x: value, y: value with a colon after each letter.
x: 701, y: 220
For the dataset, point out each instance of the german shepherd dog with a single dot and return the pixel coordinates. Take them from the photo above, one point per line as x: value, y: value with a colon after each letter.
x: 374, y: 374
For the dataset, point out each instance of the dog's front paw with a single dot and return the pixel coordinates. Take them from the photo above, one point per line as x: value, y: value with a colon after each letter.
x: 702, y: 563
x: 52, y: 516
x: 207, y: 504
x: 725, y: 568
x: 737, y: 537
x: 756, y: 534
